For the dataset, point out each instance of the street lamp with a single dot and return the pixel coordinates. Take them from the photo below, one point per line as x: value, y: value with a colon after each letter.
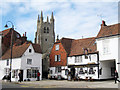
x: 11, y: 46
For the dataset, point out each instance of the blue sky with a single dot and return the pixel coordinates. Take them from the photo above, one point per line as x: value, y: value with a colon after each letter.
x: 73, y: 18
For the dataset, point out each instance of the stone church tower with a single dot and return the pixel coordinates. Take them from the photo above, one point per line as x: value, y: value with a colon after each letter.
x: 45, y: 35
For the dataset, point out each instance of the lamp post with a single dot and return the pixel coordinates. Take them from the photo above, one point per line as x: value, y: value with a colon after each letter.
x: 10, y: 46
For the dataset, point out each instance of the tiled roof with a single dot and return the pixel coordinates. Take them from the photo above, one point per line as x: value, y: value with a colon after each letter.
x: 6, y: 31
x: 109, y: 30
x: 66, y: 42
x: 37, y: 48
x: 78, y: 46
x: 18, y: 51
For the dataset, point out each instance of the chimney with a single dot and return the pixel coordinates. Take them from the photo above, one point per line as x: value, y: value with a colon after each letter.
x: 103, y: 23
x: 24, y: 38
x: 25, y: 34
x: 57, y: 40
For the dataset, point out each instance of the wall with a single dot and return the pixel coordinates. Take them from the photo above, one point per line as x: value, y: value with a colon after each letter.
x: 106, y: 69
x: 61, y: 52
x: 113, y: 49
x: 62, y: 73
x: 36, y: 62
x: 71, y: 60
x: 119, y: 58
x: 16, y: 63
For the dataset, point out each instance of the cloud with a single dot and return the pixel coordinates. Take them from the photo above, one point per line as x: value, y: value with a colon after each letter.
x: 73, y: 19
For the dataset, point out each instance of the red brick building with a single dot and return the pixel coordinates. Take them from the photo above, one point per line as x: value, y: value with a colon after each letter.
x: 58, y: 57
x: 6, y: 39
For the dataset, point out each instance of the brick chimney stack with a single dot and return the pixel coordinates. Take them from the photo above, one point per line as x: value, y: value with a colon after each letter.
x: 57, y: 40
x: 103, y: 23
x: 25, y: 34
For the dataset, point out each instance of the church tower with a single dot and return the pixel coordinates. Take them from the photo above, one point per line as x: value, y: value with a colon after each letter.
x: 45, y: 35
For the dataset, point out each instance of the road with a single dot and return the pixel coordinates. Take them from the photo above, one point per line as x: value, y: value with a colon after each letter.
x: 61, y: 84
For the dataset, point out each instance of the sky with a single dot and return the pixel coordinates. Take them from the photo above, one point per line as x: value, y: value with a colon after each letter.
x: 73, y: 18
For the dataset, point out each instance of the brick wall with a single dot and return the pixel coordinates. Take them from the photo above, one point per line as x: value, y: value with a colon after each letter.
x: 61, y: 52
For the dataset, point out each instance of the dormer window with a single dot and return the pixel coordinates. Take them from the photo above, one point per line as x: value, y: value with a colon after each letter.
x: 30, y: 50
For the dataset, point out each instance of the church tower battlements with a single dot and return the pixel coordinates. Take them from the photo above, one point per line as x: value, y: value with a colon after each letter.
x: 45, y: 35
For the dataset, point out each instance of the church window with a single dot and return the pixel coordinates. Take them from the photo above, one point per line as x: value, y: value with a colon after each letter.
x: 47, y: 29
x: 44, y: 29
x: 45, y: 39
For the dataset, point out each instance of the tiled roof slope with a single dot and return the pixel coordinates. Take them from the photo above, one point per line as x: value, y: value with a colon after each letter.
x: 37, y: 48
x: 78, y: 46
x: 5, y: 32
x: 66, y: 42
x: 18, y: 51
x: 110, y: 30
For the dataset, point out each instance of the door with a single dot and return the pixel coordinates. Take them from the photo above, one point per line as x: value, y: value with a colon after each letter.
x: 22, y: 74
x: 72, y: 72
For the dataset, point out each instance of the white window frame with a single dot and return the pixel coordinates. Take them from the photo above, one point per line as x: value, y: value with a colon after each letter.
x: 57, y: 47
x: 29, y: 61
x: 57, y: 58
x: 78, y: 59
x: 106, y: 49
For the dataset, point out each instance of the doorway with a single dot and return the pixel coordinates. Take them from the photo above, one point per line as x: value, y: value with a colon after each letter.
x: 22, y: 75
x: 72, y: 72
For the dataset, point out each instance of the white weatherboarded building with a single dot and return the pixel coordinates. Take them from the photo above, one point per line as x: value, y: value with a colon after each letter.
x: 103, y: 56
x: 83, y: 59
x: 108, y: 45
x: 27, y: 58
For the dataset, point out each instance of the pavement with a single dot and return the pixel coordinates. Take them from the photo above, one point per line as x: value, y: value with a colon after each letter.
x: 61, y: 84
x: 71, y: 84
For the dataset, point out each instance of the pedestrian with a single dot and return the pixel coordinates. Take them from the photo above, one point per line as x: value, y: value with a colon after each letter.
x: 116, y: 76
x: 38, y: 76
x: 20, y: 76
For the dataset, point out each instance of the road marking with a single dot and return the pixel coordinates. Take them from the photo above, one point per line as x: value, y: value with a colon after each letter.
x: 24, y: 86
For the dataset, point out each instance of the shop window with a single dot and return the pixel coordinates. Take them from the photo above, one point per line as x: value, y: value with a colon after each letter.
x: 57, y: 69
x: 14, y: 73
x: 66, y: 72
x: 29, y: 72
x: 81, y: 71
x: 91, y: 71
x: 57, y: 58
x: 7, y: 71
x: 32, y: 73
